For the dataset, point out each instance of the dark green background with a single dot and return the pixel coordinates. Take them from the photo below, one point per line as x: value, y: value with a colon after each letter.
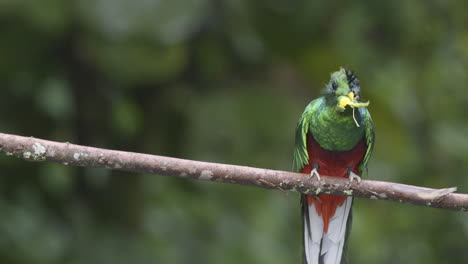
x: 223, y: 81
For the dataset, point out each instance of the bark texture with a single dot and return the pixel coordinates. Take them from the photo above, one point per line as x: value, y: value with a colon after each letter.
x: 33, y: 149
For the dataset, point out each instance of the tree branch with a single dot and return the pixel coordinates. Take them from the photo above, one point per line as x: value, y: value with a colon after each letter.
x: 33, y: 149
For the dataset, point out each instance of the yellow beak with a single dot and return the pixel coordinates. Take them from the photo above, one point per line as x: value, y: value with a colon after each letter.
x: 349, y: 99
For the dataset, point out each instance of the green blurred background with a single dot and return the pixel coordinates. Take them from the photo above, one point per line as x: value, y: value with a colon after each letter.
x: 223, y: 81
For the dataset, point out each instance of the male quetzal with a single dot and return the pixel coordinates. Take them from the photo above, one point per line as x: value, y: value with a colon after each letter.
x: 335, y: 137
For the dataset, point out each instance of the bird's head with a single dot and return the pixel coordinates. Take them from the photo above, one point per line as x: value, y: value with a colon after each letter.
x: 344, y: 90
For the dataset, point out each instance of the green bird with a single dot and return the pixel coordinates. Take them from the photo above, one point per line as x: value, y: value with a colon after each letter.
x: 334, y: 137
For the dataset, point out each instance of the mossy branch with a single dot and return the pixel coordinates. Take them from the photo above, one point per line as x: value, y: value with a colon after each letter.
x: 33, y: 149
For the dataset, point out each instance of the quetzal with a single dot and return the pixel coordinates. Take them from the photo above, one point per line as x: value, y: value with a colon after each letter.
x: 334, y: 137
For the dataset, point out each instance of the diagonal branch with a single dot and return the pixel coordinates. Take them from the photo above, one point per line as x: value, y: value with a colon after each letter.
x: 33, y: 149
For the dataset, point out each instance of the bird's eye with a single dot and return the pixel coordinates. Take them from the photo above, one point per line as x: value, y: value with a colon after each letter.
x: 334, y: 86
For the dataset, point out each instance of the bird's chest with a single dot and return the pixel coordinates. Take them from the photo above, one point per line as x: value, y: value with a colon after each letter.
x: 334, y: 163
x: 338, y: 132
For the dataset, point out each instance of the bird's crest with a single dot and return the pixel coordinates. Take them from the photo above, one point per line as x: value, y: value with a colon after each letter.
x: 350, y: 76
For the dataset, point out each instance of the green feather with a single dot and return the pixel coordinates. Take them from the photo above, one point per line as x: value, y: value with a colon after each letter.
x: 370, y: 137
x: 301, y: 157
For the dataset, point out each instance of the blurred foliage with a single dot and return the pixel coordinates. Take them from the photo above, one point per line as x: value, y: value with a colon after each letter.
x: 223, y: 81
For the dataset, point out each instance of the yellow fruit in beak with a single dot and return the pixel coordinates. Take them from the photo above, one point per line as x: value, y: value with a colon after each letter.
x: 349, y: 99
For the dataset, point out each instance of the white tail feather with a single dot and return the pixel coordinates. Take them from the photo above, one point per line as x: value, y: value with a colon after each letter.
x: 313, y: 234
x: 325, y: 246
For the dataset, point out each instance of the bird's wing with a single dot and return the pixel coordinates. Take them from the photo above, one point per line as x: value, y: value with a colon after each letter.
x: 370, y: 137
x: 301, y: 157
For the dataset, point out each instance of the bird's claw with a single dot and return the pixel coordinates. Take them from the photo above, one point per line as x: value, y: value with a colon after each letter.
x: 315, y: 173
x: 354, y: 176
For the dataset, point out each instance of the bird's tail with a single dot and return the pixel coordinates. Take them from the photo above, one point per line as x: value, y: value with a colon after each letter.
x: 325, y: 231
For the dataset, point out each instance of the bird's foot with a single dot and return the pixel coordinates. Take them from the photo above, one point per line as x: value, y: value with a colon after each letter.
x: 315, y: 173
x: 354, y: 176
